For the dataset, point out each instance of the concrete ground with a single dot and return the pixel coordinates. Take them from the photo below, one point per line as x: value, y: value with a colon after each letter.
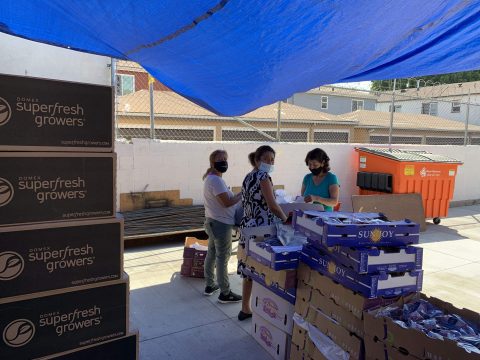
x: 177, y: 322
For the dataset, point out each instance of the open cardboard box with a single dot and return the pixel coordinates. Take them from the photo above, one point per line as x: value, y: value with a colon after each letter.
x: 416, y: 343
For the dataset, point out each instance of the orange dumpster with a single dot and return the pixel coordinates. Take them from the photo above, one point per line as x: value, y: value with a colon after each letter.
x: 409, y: 171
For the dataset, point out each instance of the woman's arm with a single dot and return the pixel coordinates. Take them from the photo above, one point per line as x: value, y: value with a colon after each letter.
x: 226, y: 200
x: 303, y: 189
x: 267, y: 191
x: 334, y: 191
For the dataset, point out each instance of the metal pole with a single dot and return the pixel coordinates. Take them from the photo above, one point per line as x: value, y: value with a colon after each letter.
x: 113, y: 74
x: 391, y: 115
x: 465, y: 140
x: 152, y: 116
x: 279, y: 117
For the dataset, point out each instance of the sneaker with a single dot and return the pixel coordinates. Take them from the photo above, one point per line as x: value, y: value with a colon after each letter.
x: 231, y: 297
x: 210, y: 290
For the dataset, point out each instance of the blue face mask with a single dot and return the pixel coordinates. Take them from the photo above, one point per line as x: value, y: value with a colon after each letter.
x: 266, y: 167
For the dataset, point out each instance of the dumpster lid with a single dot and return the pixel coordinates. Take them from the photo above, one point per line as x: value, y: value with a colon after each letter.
x: 409, y: 155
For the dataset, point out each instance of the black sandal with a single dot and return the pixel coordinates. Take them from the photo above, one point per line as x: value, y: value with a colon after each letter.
x: 243, y: 315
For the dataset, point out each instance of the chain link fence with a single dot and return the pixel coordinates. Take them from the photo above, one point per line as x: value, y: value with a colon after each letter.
x: 436, y: 115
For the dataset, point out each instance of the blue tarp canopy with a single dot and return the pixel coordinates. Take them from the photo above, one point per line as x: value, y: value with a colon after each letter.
x: 232, y: 56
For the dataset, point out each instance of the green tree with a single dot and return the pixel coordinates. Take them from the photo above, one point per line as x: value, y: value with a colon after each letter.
x: 387, y: 85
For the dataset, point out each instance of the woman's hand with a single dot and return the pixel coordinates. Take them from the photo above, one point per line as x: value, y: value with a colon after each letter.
x: 311, y: 198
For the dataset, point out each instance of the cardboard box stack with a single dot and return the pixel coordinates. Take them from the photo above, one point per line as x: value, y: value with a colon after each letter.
x: 422, y: 327
x: 63, y: 293
x: 351, y: 263
x: 273, y: 271
x: 194, y: 254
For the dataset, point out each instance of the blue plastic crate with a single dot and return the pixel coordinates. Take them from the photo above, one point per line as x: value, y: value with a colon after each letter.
x: 355, y: 229
x: 370, y: 286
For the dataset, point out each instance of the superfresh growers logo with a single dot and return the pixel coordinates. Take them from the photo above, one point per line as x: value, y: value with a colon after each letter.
x: 18, y: 333
x: 270, y: 308
x: 5, y: 111
x: 11, y: 265
x: 47, y: 190
x: 69, y: 322
x: 6, y: 192
x: 62, y: 258
x: 53, y: 114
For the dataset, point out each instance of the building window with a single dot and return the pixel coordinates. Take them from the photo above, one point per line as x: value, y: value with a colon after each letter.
x: 357, y: 105
x: 324, y: 102
x: 430, y: 108
x: 398, y: 108
x: 250, y: 135
x: 431, y: 140
x: 125, y: 84
x: 383, y: 139
x: 330, y: 137
x: 455, y: 106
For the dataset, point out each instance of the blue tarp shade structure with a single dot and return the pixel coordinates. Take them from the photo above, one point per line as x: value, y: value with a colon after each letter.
x: 232, y: 56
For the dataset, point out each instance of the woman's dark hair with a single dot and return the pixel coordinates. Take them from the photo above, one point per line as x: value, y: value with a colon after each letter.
x: 257, y: 154
x: 321, y: 156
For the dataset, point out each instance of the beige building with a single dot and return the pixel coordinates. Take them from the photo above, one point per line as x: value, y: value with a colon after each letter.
x: 373, y: 127
x: 177, y: 118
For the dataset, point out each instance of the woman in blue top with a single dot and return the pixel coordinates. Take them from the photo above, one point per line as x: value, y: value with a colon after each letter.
x: 321, y: 186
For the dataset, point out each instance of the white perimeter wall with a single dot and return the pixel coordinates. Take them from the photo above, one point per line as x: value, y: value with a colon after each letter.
x: 27, y: 58
x: 154, y: 166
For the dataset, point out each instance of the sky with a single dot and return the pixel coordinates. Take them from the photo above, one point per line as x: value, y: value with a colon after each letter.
x: 361, y: 85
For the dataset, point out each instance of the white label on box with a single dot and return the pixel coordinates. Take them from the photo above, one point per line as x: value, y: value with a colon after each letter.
x: 451, y: 172
x: 272, y: 308
x: 363, y: 166
x: 363, y: 159
x: 271, y: 338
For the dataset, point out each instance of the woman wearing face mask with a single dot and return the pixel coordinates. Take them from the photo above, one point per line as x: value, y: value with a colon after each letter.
x: 219, y: 219
x: 259, y: 207
x: 320, y: 186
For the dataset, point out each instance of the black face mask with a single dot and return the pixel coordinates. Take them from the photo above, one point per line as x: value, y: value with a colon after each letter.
x: 220, y: 166
x: 317, y: 171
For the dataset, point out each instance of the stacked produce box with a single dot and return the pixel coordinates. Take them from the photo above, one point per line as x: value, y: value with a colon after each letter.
x: 352, y: 262
x: 63, y: 293
x: 272, y: 267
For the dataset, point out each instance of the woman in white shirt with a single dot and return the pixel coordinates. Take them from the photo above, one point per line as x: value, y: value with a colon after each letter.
x: 219, y: 219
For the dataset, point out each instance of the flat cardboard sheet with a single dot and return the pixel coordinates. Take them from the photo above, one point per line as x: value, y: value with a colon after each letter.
x: 394, y: 206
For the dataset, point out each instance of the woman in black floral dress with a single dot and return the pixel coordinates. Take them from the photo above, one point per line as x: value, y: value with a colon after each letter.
x: 259, y: 207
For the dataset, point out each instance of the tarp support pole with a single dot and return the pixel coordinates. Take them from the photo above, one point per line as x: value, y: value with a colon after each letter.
x: 467, y: 119
x: 279, y: 119
x: 392, y: 110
